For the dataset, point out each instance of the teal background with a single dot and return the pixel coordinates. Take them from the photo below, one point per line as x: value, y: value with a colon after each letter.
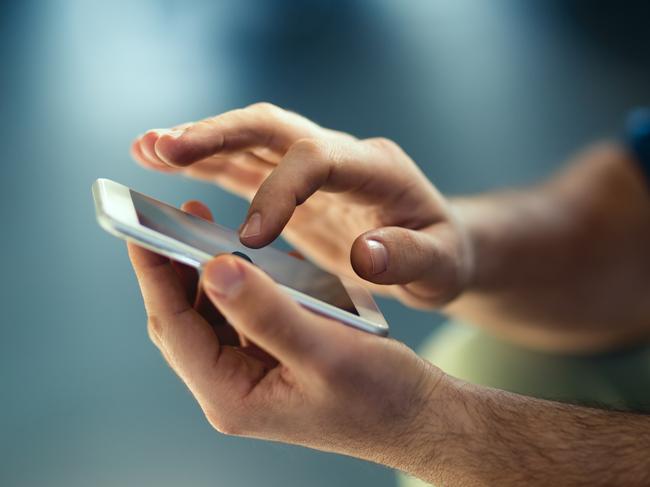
x: 480, y: 94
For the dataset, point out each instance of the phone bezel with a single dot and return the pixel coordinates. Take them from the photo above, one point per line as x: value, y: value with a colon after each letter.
x: 116, y: 214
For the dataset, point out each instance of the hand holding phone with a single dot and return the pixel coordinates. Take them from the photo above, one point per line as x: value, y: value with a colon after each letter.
x: 330, y: 387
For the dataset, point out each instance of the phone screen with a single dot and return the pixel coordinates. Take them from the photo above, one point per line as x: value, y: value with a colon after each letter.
x: 214, y: 239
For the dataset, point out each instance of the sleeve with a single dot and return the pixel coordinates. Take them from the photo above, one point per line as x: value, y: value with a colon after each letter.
x: 637, y: 137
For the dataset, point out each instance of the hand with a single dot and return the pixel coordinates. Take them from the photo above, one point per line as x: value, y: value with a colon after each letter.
x: 359, y: 208
x: 314, y: 382
x: 308, y: 380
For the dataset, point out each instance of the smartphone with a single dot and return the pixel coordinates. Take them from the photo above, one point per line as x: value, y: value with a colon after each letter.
x: 191, y: 240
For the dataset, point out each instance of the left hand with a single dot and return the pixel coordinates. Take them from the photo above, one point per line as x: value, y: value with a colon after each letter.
x: 358, y: 208
x: 308, y: 380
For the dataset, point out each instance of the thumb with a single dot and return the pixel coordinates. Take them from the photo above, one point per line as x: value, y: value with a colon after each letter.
x: 258, y: 308
x: 428, y: 264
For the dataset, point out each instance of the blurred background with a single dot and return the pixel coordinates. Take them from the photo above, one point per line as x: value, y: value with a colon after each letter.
x: 480, y: 94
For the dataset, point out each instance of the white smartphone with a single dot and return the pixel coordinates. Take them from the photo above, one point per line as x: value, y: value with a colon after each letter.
x: 191, y: 240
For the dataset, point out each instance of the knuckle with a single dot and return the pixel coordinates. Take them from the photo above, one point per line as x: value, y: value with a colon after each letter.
x: 154, y: 329
x: 265, y: 107
x: 311, y: 148
x: 384, y: 144
x: 216, y: 121
x: 409, y: 244
x: 227, y: 424
x: 206, y: 123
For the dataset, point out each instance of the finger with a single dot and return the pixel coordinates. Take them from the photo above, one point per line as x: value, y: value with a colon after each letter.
x: 234, y: 175
x: 258, y: 308
x: 258, y: 126
x: 226, y: 334
x: 189, y: 276
x: 188, y: 341
x: 167, y: 297
x: 147, y: 146
x: 308, y: 166
x: 137, y: 154
x: 425, y: 262
x: 296, y: 254
x: 197, y: 208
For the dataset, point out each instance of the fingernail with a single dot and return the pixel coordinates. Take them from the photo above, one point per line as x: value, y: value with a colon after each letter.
x: 224, y: 278
x: 253, y: 226
x: 378, y: 256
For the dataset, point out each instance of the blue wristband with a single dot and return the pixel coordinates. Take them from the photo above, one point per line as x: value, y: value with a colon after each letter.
x: 637, y: 134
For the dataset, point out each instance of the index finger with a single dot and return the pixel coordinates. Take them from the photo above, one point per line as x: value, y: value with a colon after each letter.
x: 261, y: 125
x: 213, y: 373
x: 186, y: 338
x: 312, y: 165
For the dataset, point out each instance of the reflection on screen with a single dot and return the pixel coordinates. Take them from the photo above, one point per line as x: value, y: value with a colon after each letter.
x: 213, y: 239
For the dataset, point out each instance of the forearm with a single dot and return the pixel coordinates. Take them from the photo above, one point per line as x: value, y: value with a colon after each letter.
x: 563, y: 264
x: 488, y: 437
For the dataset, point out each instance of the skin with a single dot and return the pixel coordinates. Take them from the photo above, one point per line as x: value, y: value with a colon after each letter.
x: 306, y: 180
x: 536, y: 265
x: 564, y: 266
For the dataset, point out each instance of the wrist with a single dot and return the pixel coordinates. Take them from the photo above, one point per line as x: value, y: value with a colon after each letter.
x: 440, y: 433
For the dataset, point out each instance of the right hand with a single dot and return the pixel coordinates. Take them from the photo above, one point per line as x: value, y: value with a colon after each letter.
x: 265, y: 367
x: 358, y: 208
